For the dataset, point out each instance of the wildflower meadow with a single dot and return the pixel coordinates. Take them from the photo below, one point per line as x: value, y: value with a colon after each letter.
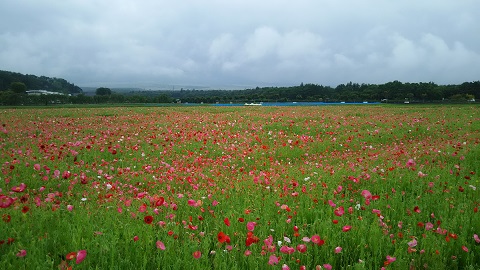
x: 203, y: 187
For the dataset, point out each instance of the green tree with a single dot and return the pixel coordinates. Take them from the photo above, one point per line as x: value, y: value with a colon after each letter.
x: 18, y: 87
x: 103, y: 91
x: 9, y: 98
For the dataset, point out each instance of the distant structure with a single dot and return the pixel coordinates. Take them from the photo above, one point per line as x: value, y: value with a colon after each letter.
x: 43, y: 92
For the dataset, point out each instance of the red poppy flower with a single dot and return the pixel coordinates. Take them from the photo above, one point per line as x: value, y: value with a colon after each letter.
x: 226, y: 221
x: 148, y: 219
x: 70, y: 256
x: 223, y: 238
x: 452, y: 235
x: 251, y: 239
x: 6, y: 218
x: 160, y: 201
x: 197, y: 254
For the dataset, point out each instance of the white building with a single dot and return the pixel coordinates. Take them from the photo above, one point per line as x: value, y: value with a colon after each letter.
x: 42, y: 92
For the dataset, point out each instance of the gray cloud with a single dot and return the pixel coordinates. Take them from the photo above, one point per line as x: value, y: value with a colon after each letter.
x: 221, y: 43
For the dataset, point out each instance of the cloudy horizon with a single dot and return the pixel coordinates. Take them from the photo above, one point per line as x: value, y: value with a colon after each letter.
x: 247, y: 43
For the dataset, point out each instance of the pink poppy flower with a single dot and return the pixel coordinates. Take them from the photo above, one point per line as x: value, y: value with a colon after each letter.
x: 327, y: 266
x: 428, y: 226
x: 391, y: 259
x: 22, y: 253
x: 5, y: 201
x: 19, y: 188
x: 160, y: 245
x: 287, y: 250
x: 251, y: 225
x: 421, y: 174
x: 346, y: 228
x: 412, y: 243
x: 81, y: 254
x: 331, y: 203
x: 366, y: 194
x: 339, y: 211
x: 302, y: 248
x: 338, y: 249
x: 268, y: 241
x: 476, y: 238
x: 317, y: 240
x: 410, y: 163
x: 273, y: 260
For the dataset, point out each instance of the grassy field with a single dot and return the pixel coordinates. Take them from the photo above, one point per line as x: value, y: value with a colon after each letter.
x: 333, y: 187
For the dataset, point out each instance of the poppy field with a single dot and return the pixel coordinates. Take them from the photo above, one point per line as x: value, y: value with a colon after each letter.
x: 331, y: 187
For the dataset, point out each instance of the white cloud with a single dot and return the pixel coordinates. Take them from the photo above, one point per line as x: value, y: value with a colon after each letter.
x: 262, y: 42
x: 405, y: 53
x: 215, y: 42
x: 222, y: 48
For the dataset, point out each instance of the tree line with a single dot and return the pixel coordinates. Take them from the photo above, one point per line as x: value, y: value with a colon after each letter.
x: 350, y: 92
x: 14, y: 87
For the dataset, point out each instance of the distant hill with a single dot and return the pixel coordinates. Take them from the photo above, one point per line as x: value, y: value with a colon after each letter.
x: 90, y: 91
x: 38, y: 83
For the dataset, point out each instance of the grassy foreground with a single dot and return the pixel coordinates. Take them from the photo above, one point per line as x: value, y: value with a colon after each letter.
x: 341, y: 187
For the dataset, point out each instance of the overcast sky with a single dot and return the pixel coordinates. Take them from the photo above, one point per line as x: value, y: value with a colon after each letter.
x: 241, y: 43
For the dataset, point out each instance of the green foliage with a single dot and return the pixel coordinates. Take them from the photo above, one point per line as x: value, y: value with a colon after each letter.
x: 33, y: 82
x: 9, y: 98
x: 18, y: 87
x: 103, y: 91
x: 392, y: 92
